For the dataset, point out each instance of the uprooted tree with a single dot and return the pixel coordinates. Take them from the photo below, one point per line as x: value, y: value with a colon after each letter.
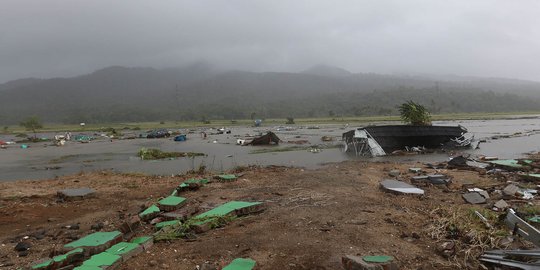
x: 32, y: 124
x: 414, y: 114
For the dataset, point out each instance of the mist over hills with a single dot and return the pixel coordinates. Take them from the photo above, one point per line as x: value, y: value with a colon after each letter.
x: 120, y: 94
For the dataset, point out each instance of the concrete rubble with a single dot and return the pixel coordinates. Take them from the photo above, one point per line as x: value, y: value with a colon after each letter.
x: 400, y: 187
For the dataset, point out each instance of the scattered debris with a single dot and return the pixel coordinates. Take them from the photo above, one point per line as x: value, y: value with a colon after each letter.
x: 75, y: 193
x: 521, y: 227
x: 171, y: 203
x: 269, y: 138
x: 486, y: 222
x: 352, y: 262
x: 474, y: 198
x: 501, y: 204
x: 400, y: 187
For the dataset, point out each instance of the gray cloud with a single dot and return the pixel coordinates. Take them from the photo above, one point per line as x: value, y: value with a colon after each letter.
x: 65, y: 38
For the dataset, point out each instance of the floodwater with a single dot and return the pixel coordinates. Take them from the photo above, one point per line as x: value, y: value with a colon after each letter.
x: 44, y: 161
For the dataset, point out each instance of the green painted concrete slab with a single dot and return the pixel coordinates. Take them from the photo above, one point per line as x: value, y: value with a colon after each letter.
x: 141, y: 240
x: 172, y: 201
x: 509, y: 162
x: 240, y: 264
x: 535, y: 175
x: 43, y: 265
x: 150, y: 210
x: 102, y: 259
x: 226, y: 209
x: 378, y: 259
x: 166, y: 223
x: 122, y: 248
x: 94, y: 239
x: 226, y: 177
x: 186, y: 183
x: 87, y: 267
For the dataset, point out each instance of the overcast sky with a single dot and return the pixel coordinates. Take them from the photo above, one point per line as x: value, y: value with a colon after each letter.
x: 497, y: 38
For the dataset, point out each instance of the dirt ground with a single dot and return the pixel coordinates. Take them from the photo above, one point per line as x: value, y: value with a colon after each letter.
x: 312, y: 217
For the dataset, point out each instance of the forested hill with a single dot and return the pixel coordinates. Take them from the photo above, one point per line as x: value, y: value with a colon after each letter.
x: 199, y: 91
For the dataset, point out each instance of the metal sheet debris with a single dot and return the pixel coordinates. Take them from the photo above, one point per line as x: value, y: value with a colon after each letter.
x: 522, y: 228
x: 401, y: 187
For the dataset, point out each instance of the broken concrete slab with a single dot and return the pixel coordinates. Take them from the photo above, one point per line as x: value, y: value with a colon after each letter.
x: 233, y: 208
x: 510, y: 163
x: 96, y: 242
x: 226, y: 177
x: 146, y: 242
x: 61, y: 260
x: 351, y: 262
x: 482, y: 192
x: 394, y: 173
x: 125, y: 250
x: 240, y: 264
x: 501, y: 204
x: 511, y: 190
x: 164, y: 224
x: 192, y: 184
x: 103, y: 260
x: 75, y: 193
x: 530, y: 176
x: 171, y: 203
x: 438, y: 179
x: 420, y: 179
x: 474, y: 198
x: 150, y: 213
x: 180, y: 214
x: 415, y: 170
x: 130, y: 225
x: 400, y: 187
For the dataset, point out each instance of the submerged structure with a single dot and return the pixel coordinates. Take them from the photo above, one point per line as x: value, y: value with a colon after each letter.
x: 268, y: 138
x: 380, y: 140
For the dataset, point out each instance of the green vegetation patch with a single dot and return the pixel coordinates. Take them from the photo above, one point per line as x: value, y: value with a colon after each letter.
x: 94, y: 239
x: 240, y: 264
x: 172, y: 201
x: 152, y: 154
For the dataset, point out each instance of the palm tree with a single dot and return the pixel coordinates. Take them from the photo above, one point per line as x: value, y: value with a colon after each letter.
x: 414, y: 114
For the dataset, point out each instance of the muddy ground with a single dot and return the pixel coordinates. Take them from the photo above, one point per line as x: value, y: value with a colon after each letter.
x: 313, y: 217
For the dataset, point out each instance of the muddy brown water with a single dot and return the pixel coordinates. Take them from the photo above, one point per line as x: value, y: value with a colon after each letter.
x: 44, y: 161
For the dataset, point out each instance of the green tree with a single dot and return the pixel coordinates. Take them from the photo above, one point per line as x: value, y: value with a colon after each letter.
x: 32, y: 124
x: 414, y: 114
x: 290, y: 121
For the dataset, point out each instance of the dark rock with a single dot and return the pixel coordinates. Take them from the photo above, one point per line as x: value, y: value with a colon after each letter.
x: 73, y: 227
x: 23, y: 253
x: 22, y: 246
x: 97, y: 227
